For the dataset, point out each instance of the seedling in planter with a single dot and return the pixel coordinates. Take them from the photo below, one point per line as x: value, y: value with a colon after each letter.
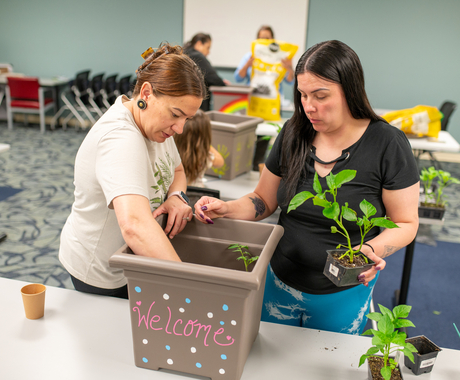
x: 436, y: 197
x: 332, y: 210
x: 245, y: 255
x: 387, y: 339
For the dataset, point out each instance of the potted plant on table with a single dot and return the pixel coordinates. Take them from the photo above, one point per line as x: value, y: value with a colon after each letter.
x: 433, y: 203
x: 388, y: 341
x: 343, y: 265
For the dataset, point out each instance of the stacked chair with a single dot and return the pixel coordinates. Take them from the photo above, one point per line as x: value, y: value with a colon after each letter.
x: 94, y: 94
x: 74, y: 99
x: 124, y: 86
x: 87, y: 98
x: 109, y: 90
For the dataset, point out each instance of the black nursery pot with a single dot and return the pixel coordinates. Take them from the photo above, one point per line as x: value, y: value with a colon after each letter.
x: 378, y: 362
x: 431, y: 212
x: 425, y: 358
x: 341, y: 275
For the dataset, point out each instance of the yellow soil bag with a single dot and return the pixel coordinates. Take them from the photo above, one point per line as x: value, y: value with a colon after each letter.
x: 267, y: 74
x: 420, y: 120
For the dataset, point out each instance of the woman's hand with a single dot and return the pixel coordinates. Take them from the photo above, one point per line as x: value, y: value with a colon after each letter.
x: 379, y: 265
x: 208, y: 208
x: 178, y: 212
x: 287, y: 64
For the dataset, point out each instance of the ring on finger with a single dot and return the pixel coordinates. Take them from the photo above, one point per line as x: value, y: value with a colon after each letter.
x: 186, y: 218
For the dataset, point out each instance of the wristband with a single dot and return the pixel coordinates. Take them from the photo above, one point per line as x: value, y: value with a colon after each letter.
x: 181, y: 195
x: 370, y: 246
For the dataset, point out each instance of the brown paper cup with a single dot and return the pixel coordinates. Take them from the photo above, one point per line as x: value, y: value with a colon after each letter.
x: 33, y: 297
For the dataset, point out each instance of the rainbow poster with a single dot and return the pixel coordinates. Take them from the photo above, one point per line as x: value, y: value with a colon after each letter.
x: 239, y: 105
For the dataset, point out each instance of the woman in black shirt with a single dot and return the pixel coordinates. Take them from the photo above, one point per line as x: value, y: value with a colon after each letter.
x: 333, y: 128
x: 198, y: 49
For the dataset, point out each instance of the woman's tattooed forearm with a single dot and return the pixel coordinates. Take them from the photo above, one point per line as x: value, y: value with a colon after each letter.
x: 389, y: 250
x: 259, y: 206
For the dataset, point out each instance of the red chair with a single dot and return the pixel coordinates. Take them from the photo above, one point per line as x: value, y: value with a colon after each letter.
x: 24, y: 95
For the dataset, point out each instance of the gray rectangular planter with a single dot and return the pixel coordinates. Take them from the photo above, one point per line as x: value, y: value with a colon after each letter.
x: 234, y: 137
x: 199, y: 316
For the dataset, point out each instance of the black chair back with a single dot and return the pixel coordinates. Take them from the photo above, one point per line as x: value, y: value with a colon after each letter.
x: 447, y: 109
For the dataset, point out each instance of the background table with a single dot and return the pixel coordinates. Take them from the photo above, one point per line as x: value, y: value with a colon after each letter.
x: 88, y: 337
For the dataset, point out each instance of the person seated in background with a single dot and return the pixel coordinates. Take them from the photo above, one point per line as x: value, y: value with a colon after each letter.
x: 198, y: 49
x: 194, y: 146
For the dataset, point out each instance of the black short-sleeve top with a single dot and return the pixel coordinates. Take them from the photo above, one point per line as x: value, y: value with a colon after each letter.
x: 382, y: 158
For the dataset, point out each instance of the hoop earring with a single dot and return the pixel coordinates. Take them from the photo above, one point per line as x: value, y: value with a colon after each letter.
x: 142, y: 104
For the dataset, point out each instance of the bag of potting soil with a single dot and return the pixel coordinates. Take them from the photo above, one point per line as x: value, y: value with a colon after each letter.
x: 420, y: 120
x: 267, y: 74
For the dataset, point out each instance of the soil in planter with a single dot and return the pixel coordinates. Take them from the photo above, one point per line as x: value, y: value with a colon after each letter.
x: 376, y: 364
x: 424, y: 346
x: 358, y: 260
x: 431, y: 205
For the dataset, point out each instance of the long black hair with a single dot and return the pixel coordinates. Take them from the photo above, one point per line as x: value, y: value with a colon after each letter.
x: 336, y: 62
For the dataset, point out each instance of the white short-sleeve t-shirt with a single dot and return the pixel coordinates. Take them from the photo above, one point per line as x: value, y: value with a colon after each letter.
x: 114, y: 159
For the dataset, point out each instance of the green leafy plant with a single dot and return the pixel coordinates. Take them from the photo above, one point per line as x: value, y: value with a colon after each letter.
x: 278, y: 130
x: 245, y: 255
x: 387, y: 340
x: 332, y: 209
x: 435, y: 195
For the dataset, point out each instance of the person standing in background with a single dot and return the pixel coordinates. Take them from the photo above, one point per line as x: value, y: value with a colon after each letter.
x: 242, y: 74
x: 198, y: 49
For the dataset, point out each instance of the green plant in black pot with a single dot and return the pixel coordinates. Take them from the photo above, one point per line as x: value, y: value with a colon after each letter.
x: 387, y: 340
x: 435, y: 196
x: 333, y: 210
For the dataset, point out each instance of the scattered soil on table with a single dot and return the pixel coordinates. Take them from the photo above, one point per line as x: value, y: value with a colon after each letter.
x: 376, y: 364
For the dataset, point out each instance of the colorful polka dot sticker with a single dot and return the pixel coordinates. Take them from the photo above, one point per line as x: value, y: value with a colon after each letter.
x: 145, y: 341
x: 224, y: 357
x: 170, y: 361
x: 192, y: 350
x: 221, y: 371
x: 187, y: 300
x: 167, y: 347
x: 210, y: 315
x: 145, y: 360
x: 166, y: 296
x: 198, y: 365
x: 224, y: 307
x: 138, y: 289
